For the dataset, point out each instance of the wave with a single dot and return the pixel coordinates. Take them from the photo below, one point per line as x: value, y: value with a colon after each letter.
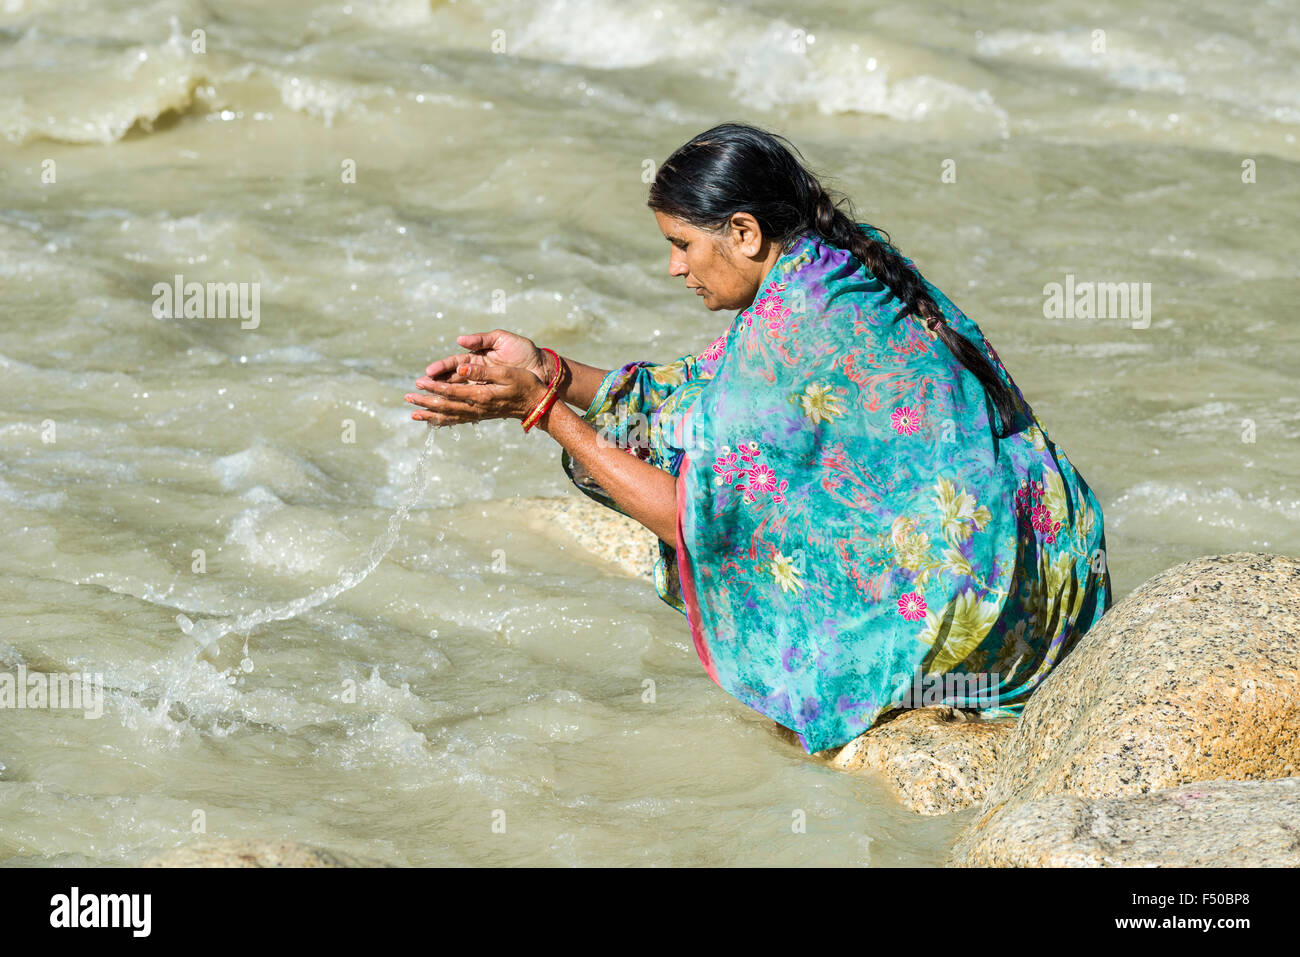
x: 95, y: 90
x: 771, y: 63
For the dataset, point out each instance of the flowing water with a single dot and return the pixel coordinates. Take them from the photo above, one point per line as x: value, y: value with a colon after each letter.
x: 385, y: 176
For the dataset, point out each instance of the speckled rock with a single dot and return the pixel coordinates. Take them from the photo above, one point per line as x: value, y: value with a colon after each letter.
x: 601, y: 531
x: 248, y: 852
x: 1194, y: 676
x: 936, y: 760
x: 1207, y: 824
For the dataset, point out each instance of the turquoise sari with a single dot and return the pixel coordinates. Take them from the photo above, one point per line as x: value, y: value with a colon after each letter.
x: 851, y: 536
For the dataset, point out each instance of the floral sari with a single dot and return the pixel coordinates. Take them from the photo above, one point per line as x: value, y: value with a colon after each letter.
x: 851, y: 535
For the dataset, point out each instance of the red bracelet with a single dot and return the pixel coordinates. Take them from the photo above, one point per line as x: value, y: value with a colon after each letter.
x: 551, y: 393
x: 542, y: 409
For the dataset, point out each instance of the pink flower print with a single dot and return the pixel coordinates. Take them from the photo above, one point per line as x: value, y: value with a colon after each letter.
x: 773, y: 486
x: 758, y: 479
x: 761, y: 478
x: 905, y: 420
x: 771, y: 307
x: 1029, y: 493
x: 1040, y: 516
x: 715, y: 349
x: 778, y: 494
x: 912, y: 606
x: 755, y: 479
x: 726, y: 466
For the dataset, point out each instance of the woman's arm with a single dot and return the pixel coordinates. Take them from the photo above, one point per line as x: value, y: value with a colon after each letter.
x: 646, y: 493
x: 579, y: 386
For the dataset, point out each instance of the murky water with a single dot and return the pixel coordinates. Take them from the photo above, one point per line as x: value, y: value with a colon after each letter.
x: 481, y: 697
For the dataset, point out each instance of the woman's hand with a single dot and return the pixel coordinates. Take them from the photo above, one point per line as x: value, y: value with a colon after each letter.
x: 486, y: 390
x: 498, y: 346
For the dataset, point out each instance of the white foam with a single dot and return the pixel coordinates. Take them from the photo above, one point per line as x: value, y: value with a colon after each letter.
x: 763, y: 56
x: 319, y: 98
x: 1222, y: 506
x: 1122, y: 64
x: 116, y: 88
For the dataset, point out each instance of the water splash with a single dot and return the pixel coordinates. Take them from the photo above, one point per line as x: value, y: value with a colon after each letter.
x: 212, y: 630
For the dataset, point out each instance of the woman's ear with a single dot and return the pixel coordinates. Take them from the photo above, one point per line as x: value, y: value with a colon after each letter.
x: 746, y: 234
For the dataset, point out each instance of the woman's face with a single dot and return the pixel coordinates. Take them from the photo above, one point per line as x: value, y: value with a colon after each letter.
x: 725, y: 271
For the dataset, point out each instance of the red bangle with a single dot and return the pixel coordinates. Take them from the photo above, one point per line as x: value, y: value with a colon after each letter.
x: 542, y: 409
x: 552, y: 391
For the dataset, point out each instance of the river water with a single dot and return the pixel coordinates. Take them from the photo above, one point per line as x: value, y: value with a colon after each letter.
x: 390, y: 175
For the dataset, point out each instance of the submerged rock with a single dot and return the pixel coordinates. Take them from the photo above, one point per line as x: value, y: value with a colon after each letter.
x: 603, y: 532
x: 251, y: 852
x: 1207, y: 824
x: 1193, y: 677
x: 936, y: 759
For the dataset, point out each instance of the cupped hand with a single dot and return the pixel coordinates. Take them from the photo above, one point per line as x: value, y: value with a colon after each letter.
x: 484, y: 390
x: 498, y: 346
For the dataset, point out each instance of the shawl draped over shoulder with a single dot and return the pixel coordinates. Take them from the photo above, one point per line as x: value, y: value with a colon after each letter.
x: 852, y: 537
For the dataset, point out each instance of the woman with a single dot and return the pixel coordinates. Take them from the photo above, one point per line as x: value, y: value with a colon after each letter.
x: 854, y: 501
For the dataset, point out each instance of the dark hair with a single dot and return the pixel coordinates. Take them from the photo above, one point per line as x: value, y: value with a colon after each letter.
x: 739, y: 168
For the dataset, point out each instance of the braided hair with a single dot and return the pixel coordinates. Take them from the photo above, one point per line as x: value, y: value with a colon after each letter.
x: 739, y: 168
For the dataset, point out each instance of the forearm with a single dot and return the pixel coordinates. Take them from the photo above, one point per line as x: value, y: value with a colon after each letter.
x: 645, y: 493
x: 580, y: 383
